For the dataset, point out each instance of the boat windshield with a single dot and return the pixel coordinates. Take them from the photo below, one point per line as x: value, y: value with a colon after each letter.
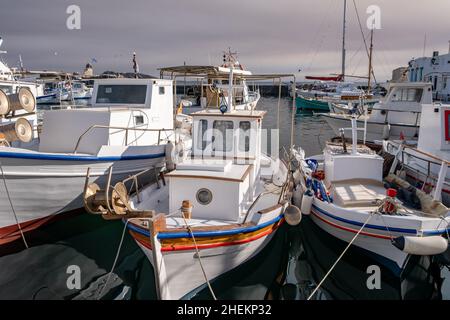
x: 126, y: 94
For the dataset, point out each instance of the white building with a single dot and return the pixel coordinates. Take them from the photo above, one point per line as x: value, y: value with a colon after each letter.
x: 435, y: 69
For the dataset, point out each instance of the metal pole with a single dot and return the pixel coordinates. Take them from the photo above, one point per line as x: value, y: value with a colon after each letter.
x: 343, y: 40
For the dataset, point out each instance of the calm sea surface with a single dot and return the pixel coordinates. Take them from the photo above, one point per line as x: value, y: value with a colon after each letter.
x: 288, y: 268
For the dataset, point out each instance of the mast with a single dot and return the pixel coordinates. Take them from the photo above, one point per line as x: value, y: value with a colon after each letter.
x: 370, y: 60
x: 343, y: 41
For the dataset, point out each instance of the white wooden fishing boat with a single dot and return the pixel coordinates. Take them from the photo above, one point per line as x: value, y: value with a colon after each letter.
x: 220, y: 206
x: 421, y: 165
x: 398, y: 115
x: 43, y: 169
x: 347, y: 197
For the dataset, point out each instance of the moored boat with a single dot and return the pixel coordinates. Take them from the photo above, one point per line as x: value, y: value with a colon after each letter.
x: 223, y: 201
x: 43, y: 167
x: 348, y: 197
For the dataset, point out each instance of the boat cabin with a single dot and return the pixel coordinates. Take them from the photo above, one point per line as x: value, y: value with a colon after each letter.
x: 403, y: 103
x: 220, y: 176
x: 124, y: 112
x: 434, y: 134
x: 209, y: 85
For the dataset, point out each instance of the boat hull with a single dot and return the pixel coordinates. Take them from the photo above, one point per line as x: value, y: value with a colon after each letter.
x: 183, y: 274
x: 303, y: 104
x: 374, y: 129
x: 374, y: 238
x: 39, y: 189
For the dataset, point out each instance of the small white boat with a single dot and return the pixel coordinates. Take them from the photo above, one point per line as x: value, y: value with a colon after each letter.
x: 43, y: 169
x: 421, y: 165
x: 398, y: 115
x: 79, y: 91
x: 9, y: 84
x: 348, y: 198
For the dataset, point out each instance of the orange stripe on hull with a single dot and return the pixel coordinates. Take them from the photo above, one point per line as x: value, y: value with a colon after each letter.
x: 208, y: 243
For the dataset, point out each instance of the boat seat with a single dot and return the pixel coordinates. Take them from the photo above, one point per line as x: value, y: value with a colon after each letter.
x: 358, y: 192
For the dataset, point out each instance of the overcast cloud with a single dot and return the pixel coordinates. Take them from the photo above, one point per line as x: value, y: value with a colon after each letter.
x: 270, y: 36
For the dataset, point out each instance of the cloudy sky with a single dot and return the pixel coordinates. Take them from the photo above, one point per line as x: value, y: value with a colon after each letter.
x: 280, y: 36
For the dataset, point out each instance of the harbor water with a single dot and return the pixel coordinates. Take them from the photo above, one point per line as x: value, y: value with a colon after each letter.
x: 288, y: 268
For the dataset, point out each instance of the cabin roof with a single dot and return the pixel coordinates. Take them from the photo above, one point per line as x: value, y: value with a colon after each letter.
x: 219, y: 72
x: 232, y: 172
x: 408, y: 84
x: 202, y: 70
x: 257, y: 114
x: 131, y: 81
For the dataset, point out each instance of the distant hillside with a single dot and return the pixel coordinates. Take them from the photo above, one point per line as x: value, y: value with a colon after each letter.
x: 113, y: 74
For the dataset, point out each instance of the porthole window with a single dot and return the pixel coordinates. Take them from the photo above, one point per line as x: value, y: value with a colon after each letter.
x: 204, y: 196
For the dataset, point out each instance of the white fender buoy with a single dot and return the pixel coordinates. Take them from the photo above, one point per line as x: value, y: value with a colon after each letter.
x: 292, y: 215
x: 421, y: 246
x: 298, y: 195
x: 170, y: 161
x: 386, y: 131
x: 307, y: 201
x: 297, y: 176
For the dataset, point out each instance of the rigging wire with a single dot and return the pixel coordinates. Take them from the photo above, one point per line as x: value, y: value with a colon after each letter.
x: 364, y: 39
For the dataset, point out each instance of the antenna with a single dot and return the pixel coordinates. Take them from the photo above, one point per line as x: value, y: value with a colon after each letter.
x: 229, y: 58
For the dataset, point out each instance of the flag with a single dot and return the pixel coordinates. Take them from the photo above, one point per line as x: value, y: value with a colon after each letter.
x: 93, y: 60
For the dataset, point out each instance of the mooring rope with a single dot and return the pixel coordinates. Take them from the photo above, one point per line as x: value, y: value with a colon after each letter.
x: 115, y: 259
x: 199, y: 258
x: 340, y: 257
x: 12, y: 207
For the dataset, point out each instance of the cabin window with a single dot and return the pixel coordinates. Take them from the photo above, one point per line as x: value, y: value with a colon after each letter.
x: 408, y: 95
x: 201, y: 141
x: 204, y: 196
x: 128, y: 94
x: 138, y: 120
x: 222, y: 135
x: 244, y: 136
x: 162, y: 90
x: 6, y: 89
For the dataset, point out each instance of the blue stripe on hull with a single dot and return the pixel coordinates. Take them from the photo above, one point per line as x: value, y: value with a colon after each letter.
x: 201, y: 234
x: 377, y: 227
x: 65, y: 157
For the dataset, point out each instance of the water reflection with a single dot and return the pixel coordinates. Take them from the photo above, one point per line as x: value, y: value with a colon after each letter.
x: 313, y: 252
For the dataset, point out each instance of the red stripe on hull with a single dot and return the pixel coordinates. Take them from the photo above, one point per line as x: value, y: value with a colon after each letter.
x: 215, y: 245
x: 349, y: 229
x: 11, y: 233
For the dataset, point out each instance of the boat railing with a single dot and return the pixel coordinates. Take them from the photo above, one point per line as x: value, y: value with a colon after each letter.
x: 119, y: 129
x: 428, y: 158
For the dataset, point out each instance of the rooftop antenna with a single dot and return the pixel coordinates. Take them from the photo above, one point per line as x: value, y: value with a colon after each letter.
x: 21, y: 63
x: 229, y: 58
x: 424, y: 44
